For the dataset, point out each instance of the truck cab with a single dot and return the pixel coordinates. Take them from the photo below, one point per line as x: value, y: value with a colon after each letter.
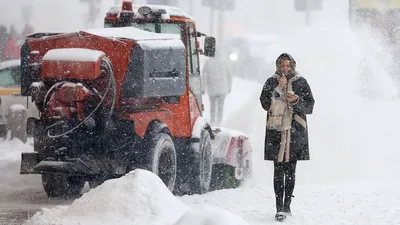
x: 171, y: 20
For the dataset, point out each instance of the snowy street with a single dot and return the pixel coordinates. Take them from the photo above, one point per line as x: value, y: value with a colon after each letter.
x: 346, y: 203
x: 351, y: 179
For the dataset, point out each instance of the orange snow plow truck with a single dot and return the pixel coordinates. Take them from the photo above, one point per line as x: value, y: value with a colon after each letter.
x: 123, y: 97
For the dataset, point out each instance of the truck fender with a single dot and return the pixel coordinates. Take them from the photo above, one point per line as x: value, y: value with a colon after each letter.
x: 199, y: 125
x: 155, y: 127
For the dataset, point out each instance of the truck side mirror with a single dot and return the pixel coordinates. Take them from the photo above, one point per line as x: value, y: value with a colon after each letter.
x: 30, y: 126
x: 209, y: 46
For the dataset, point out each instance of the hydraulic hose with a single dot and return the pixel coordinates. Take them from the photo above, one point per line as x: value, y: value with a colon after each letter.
x: 111, y: 85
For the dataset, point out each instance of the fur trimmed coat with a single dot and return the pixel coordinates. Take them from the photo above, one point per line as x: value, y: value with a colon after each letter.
x: 299, y: 144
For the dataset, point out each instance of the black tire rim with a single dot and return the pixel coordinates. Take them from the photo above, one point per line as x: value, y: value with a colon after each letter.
x: 167, y: 168
x: 206, y: 164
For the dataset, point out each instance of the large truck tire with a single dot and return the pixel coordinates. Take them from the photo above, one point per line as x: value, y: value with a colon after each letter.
x: 161, y: 158
x: 62, y: 186
x: 201, y: 170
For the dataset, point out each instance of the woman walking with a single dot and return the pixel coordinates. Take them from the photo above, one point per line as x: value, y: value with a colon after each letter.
x: 287, y: 98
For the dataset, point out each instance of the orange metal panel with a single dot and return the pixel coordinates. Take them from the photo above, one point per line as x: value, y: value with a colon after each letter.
x: 175, y: 116
x: 70, y: 69
x: 119, y: 59
x: 181, y: 124
x: 142, y: 119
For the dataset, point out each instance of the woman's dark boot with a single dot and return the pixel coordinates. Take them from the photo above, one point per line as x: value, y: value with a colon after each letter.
x: 279, y: 204
x: 280, y: 215
x: 286, y: 205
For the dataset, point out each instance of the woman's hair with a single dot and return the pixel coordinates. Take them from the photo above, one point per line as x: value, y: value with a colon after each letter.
x: 281, y: 58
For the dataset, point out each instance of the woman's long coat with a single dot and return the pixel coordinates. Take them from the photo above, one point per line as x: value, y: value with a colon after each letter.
x: 299, y: 147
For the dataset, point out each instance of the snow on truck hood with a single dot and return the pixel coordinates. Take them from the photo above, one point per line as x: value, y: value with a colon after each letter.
x: 73, y: 54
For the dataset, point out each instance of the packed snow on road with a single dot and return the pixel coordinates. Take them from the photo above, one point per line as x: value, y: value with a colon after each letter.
x: 350, y: 179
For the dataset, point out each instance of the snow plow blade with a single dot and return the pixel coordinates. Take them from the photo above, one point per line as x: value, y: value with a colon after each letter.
x: 31, y: 164
x: 233, y: 148
x: 71, y: 166
x: 28, y: 161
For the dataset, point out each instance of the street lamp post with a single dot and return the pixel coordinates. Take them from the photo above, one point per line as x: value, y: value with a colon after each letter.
x: 94, y: 10
x: 308, y: 12
x: 221, y: 6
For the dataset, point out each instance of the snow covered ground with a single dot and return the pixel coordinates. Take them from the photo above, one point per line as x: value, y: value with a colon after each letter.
x: 350, y: 179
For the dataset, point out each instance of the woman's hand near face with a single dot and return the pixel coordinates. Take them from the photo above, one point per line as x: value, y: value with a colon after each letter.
x: 282, y: 83
x: 291, y: 97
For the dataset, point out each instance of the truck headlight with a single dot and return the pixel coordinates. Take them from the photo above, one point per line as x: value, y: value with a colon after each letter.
x: 233, y: 56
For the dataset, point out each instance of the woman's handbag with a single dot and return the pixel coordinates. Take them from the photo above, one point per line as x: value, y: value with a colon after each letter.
x: 276, y: 112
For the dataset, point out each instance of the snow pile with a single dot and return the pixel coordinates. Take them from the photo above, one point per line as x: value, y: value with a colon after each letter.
x: 140, y: 197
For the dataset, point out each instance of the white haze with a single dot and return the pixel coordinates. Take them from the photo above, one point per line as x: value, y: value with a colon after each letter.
x: 353, y: 131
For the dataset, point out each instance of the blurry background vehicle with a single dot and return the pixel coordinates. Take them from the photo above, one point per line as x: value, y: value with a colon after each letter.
x: 252, y: 56
x: 14, y: 108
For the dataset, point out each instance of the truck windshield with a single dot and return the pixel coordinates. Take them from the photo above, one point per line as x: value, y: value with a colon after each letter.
x: 169, y: 28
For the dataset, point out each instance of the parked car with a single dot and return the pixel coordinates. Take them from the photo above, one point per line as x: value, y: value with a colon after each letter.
x: 252, y: 56
x: 14, y: 108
